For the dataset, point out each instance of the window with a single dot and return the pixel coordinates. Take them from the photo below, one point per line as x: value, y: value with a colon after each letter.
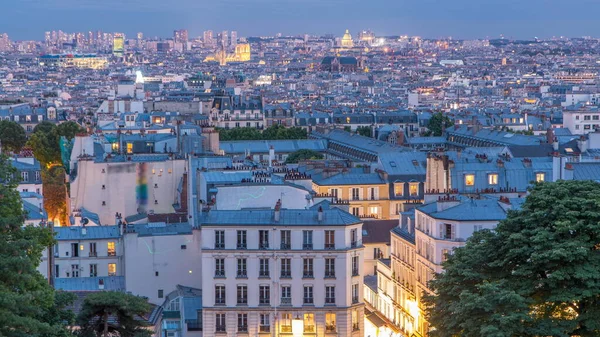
x: 353, y: 238
x: 219, y: 239
x: 24, y: 176
x: 445, y: 253
x: 242, y: 294
x: 355, y: 324
x: 264, y: 323
x: 309, y: 323
x: 286, y: 267
x: 242, y: 323
x: 286, y: 322
x: 333, y: 192
x: 373, y: 193
x: 329, y: 267
x: 330, y: 295
x: 356, y: 211
x: 219, y: 267
x: 264, y: 295
x: 308, y: 295
x: 493, y: 179
x: 447, y: 230
x: 129, y: 148
x: 161, y: 293
x: 595, y: 117
x: 220, y: 323
x: 263, y: 239
x: 469, y: 179
x: 93, y: 270
x: 374, y: 210
x: 56, y: 270
x: 398, y: 189
x: 329, y: 239
x: 241, y: 240
x: 74, y: 250
x: 263, y: 268
x: 330, y: 322
x: 307, y: 242
x: 112, y: 269
x: 241, y: 268
x: 586, y: 117
x: 286, y: 239
x: 355, y: 193
x: 286, y: 294
x: 111, y: 249
x: 308, y: 268
x: 93, y: 252
x: 413, y: 189
x: 355, y: 266
x: 539, y: 177
x: 355, y: 293
x: 219, y: 295
x: 37, y: 175
x: 377, y: 254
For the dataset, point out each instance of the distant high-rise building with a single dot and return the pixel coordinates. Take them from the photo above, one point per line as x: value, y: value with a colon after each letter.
x: 4, y: 42
x: 180, y: 36
x: 48, y: 38
x: 208, y: 38
x: 118, y: 44
x: 224, y: 40
x: 233, y: 39
x: 140, y: 36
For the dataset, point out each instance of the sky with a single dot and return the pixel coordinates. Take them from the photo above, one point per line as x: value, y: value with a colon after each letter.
x: 468, y: 19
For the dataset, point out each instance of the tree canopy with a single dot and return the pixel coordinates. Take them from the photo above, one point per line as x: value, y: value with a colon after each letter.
x: 12, y: 136
x: 28, y: 305
x: 536, y: 274
x: 301, y: 155
x: 45, y: 141
x: 437, y: 123
x: 126, y: 309
x: 364, y: 131
x: 271, y: 133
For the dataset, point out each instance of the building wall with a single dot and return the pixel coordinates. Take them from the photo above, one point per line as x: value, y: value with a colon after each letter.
x: 120, y: 182
x: 154, y: 263
x: 245, y: 196
x: 378, y: 208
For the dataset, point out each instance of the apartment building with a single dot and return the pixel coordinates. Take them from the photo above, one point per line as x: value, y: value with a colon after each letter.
x: 283, y: 272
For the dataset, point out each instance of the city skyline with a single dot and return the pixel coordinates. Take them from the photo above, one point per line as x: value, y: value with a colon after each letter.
x: 461, y: 19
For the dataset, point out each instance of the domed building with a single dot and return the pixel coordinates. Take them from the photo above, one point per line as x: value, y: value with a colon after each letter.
x: 347, y: 40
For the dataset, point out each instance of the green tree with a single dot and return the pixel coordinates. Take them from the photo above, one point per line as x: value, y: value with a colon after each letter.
x: 437, y: 123
x: 55, y: 194
x: 45, y: 147
x: 45, y: 127
x: 301, y: 155
x: 26, y: 299
x: 98, y: 308
x: 364, y: 131
x: 68, y: 130
x: 536, y: 274
x: 12, y: 136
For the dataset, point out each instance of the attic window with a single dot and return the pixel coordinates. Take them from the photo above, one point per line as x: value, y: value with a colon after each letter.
x: 568, y: 150
x: 393, y: 164
x: 415, y: 163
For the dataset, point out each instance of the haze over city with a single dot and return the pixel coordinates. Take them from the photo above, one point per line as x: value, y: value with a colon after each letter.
x: 27, y: 19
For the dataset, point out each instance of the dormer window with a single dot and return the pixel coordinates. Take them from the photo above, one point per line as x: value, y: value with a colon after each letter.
x: 540, y: 177
x: 493, y: 179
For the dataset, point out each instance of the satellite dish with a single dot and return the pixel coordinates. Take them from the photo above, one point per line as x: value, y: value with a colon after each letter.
x: 85, y: 221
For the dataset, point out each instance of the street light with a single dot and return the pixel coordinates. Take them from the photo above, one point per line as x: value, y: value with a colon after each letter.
x: 298, y: 326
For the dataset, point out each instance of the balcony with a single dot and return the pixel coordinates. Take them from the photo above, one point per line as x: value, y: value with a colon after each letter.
x: 353, y: 244
x: 308, y: 274
x: 263, y: 274
x: 329, y: 274
x: 242, y: 246
x: 354, y: 299
x: 330, y: 328
x: 113, y: 253
x: 242, y: 328
x: 264, y: 301
x: 263, y: 245
x: 93, y: 254
x: 220, y: 301
x: 330, y: 246
x: 330, y: 300
x: 355, y: 327
x: 307, y: 246
x: 219, y: 273
x: 309, y: 328
x: 219, y: 245
x: 264, y: 328
x: 241, y: 274
x: 286, y: 274
x: 308, y: 300
x: 285, y: 246
x: 355, y: 272
x: 286, y: 301
x: 221, y: 328
x: 242, y: 301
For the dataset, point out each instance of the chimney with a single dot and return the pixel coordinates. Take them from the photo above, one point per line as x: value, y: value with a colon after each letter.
x: 277, y: 210
x: 400, y: 137
x: 271, y: 155
x: 550, y: 136
x: 582, y: 144
x: 320, y: 214
x: 555, y: 144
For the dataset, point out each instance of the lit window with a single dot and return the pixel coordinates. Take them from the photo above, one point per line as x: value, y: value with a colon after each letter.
x: 112, y: 269
x: 374, y: 210
x: 111, y: 249
x: 493, y: 179
x: 398, y: 189
x: 469, y: 179
x: 539, y: 177
x: 129, y: 148
x: 309, y: 323
x: 115, y: 147
x: 414, y: 189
